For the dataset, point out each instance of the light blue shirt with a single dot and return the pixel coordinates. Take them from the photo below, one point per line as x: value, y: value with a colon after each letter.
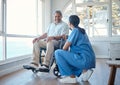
x: 80, y: 45
x: 57, y: 29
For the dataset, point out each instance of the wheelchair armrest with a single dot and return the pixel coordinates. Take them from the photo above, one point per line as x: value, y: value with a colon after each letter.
x: 62, y: 42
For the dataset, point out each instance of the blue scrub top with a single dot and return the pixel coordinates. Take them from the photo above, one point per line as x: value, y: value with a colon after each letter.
x: 80, y: 45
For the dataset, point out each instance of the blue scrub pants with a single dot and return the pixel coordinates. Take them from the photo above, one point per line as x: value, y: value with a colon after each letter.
x: 69, y: 63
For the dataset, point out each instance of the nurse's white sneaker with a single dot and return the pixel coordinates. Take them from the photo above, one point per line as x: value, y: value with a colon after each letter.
x: 85, y: 76
x: 68, y: 80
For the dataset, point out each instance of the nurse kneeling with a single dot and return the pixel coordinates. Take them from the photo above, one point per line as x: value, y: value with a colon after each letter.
x: 77, y: 54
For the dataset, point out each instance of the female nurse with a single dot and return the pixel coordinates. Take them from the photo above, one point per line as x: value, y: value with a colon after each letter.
x: 77, y: 55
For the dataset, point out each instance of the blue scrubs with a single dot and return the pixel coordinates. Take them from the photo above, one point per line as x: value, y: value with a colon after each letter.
x: 80, y: 56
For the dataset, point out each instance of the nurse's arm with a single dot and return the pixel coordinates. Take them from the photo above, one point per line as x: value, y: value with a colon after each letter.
x: 66, y: 46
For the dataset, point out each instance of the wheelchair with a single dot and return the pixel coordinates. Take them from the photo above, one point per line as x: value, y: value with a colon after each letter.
x: 52, y: 60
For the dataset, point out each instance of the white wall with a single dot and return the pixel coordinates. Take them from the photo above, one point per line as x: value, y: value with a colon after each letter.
x: 102, y: 46
x: 59, y: 5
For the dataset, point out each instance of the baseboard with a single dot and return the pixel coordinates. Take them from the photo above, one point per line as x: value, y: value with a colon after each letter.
x: 13, y: 66
x: 10, y: 70
x: 102, y: 56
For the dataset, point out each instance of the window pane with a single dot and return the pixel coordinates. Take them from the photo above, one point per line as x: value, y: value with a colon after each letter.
x: 1, y: 49
x: 18, y: 46
x: 67, y: 13
x: 115, y: 17
x: 40, y: 30
x: 0, y: 15
x: 94, y: 19
x: 21, y: 17
x: 82, y: 12
x: 100, y: 19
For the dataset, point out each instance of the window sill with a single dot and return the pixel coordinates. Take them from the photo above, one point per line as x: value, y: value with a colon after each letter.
x: 15, y: 59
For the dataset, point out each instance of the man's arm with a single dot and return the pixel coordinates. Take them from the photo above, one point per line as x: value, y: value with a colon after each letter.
x: 41, y: 37
x: 59, y: 37
x: 56, y: 37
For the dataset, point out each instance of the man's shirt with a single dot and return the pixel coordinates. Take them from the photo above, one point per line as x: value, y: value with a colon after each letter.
x: 57, y: 29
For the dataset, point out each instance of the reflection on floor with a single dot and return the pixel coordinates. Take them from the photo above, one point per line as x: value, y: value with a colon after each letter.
x: 25, y: 77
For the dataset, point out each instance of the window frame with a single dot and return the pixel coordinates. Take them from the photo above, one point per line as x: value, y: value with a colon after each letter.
x: 4, y: 35
x: 109, y: 28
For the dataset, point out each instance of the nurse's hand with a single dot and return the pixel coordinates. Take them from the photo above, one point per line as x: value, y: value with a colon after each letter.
x: 66, y: 45
x: 64, y: 36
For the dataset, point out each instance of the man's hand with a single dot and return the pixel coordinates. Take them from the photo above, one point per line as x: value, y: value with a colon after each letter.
x: 39, y: 38
x: 36, y: 40
x: 50, y: 38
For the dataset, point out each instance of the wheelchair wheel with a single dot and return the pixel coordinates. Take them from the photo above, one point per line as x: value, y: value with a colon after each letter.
x: 56, y: 71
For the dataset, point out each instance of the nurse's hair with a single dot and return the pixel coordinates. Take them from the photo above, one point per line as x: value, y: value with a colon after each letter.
x: 74, y: 20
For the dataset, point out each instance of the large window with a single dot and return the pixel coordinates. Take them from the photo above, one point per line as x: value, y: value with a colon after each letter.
x: 0, y: 16
x: 1, y: 48
x: 115, y: 17
x: 18, y: 46
x: 39, y: 18
x: 67, y: 12
x: 95, y: 16
x: 22, y: 19
x: 94, y: 19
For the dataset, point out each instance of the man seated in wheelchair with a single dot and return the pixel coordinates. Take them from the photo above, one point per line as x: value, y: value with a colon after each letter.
x: 49, y: 40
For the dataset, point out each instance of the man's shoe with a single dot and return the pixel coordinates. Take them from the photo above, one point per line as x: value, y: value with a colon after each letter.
x: 31, y: 66
x: 34, y: 65
x: 44, y: 68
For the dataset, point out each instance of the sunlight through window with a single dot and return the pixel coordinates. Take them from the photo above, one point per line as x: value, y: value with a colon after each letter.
x: 21, y: 17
